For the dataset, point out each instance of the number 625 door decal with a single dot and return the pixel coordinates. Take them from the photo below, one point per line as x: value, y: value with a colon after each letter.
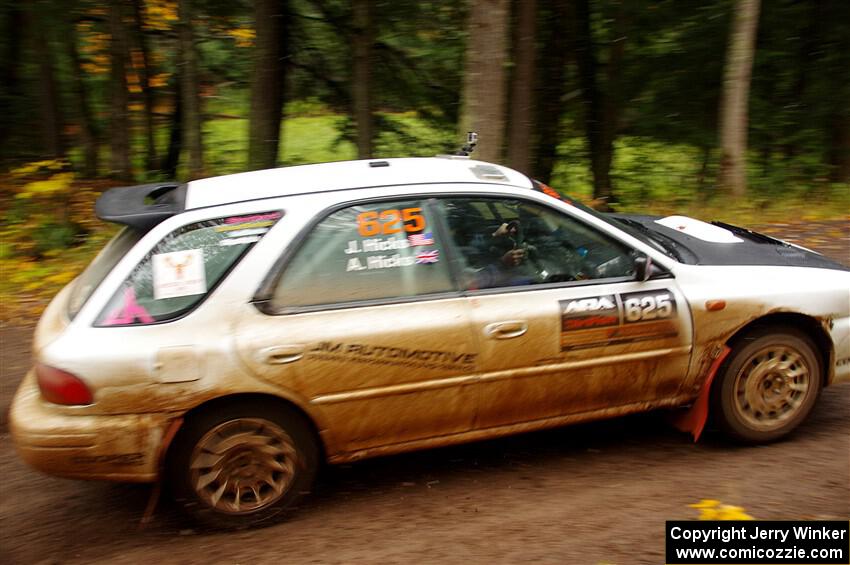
x: 612, y: 319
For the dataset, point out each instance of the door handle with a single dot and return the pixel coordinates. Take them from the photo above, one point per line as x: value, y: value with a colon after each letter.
x: 280, y: 355
x: 505, y: 330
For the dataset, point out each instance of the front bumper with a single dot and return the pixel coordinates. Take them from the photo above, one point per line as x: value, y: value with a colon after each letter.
x: 54, y: 440
x: 840, y: 333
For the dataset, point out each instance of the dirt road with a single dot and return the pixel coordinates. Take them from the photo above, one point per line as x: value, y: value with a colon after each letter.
x: 585, y: 494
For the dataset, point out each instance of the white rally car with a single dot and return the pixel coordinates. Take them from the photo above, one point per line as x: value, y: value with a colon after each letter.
x: 241, y: 329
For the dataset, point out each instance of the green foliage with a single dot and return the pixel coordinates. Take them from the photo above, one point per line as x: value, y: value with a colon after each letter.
x: 662, y: 99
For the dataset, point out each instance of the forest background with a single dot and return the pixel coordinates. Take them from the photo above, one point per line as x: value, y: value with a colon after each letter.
x: 723, y: 109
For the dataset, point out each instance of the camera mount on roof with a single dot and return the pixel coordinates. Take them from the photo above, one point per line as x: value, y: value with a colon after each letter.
x: 471, y: 142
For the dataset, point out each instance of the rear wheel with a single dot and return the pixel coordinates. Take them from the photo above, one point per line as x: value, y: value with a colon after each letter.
x: 241, y: 464
x: 767, y: 386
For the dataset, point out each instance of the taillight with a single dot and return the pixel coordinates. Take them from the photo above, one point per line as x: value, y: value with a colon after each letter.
x: 61, y: 387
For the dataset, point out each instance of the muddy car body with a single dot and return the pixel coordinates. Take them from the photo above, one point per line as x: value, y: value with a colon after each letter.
x: 241, y: 329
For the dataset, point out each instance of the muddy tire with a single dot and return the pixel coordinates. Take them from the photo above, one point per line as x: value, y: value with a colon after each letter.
x: 242, y: 464
x: 767, y: 386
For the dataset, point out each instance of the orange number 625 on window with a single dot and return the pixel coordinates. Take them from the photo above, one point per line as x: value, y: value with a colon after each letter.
x: 387, y: 222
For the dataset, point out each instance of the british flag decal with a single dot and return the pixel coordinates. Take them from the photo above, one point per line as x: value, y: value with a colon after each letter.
x: 425, y: 257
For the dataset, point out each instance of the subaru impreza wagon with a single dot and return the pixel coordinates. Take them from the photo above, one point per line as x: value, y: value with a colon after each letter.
x: 240, y: 330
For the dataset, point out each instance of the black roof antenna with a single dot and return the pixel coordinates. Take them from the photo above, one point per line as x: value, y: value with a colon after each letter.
x: 471, y: 142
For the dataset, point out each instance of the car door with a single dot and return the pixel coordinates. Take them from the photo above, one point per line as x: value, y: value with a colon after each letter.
x: 563, y: 326
x: 366, y: 324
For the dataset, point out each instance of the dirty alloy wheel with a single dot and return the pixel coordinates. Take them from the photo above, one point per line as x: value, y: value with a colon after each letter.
x: 239, y: 465
x: 767, y: 386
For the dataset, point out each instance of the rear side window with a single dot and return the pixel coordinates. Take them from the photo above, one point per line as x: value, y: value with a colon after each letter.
x: 97, y: 270
x: 366, y: 252
x: 183, y: 268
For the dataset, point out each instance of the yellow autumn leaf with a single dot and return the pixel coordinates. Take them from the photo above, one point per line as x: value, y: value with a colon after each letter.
x: 711, y: 509
x: 56, y: 183
x: 158, y: 81
x: 732, y: 513
x: 60, y: 278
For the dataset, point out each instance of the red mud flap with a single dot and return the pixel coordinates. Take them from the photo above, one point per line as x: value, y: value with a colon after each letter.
x: 694, y: 419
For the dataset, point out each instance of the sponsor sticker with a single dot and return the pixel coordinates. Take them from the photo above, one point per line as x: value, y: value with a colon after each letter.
x: 648, y: 306
x: 388, y: 355
x: 239, y: 241
x: 611, y: 319
x: 590, y: 312
x: 180, y: 273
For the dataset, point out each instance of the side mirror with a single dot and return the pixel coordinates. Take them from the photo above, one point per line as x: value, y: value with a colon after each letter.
x: 643, y: 267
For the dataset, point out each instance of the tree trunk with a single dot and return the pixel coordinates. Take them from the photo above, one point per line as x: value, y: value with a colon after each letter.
x: 51, y: 120
x: 551, y: 86
x: 484, y: 84
x: 839, y: 148
x: 190, y: 87
x: 612, y: 98
x: 14, y: 21
x: 175, y: 136
x: 88, y: 135
x: 594, y: 106
x: 735, y: 99
x: 267, y: 83
x: 834, y: 44
x: 522, y: 89
x: 144, y: 80
x: 362, y: 84
x: 119, y: 161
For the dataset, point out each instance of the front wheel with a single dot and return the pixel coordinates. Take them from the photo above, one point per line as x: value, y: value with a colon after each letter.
x: 768, y: 385
x: 241, y: 464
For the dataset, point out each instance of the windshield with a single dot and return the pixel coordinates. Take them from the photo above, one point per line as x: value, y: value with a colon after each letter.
x: 97, y: 270
x: 633, y: 229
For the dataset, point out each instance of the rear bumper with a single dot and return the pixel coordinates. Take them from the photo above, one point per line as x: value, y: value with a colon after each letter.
x: 102, y: 447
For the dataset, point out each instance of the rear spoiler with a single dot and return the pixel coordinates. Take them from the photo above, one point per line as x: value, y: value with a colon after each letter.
x: 142, y: 206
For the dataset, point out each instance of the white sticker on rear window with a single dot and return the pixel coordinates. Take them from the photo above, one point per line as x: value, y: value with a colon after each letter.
x: 179, y: 273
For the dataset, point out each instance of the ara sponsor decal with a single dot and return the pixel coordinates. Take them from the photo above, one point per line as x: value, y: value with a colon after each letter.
x: 612, y: 319
x: 590, y: 312
x: 385, y: 355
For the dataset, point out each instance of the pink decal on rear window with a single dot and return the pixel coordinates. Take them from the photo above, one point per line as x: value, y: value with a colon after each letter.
x: 129, y: 312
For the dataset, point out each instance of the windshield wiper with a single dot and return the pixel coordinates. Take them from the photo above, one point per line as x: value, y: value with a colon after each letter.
x: 661, y: 241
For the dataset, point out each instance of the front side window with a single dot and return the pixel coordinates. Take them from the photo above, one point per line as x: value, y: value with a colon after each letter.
x: 183, y: 268
x: 506, y: 242
x: 372, y: 251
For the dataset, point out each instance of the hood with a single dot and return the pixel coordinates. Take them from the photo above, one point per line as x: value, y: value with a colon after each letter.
x: 699, y: 243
